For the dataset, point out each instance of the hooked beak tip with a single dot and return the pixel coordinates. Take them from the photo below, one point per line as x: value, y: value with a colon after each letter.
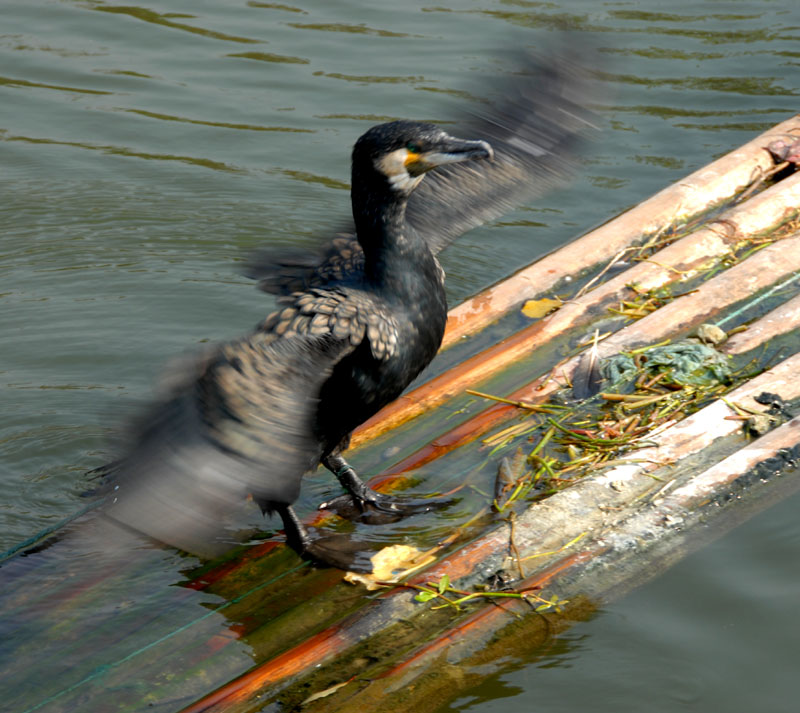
x: 485, y: 151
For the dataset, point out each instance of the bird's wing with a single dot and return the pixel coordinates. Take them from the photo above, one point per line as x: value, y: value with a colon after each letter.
x: 345, y: 313
x: 240, y: 421
x: 241, y: 424
x: 536, y: 128
x: 282, y: 271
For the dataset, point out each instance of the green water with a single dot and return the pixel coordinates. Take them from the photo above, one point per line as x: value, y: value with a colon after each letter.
x: 145, y: 149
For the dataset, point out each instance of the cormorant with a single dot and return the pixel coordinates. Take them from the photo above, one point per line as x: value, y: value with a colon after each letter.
x: 355, y: 326
x: 536, y: 124
x: 259, y: 412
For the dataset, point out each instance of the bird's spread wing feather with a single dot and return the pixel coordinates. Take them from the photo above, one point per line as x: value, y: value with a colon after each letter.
x: 242, y: 425
x: 536, y: 128
x: 348, y: 314
x: 240, y: 420
x: 282, y: 271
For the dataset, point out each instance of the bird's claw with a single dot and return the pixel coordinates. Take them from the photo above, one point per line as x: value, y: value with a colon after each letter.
x: 376, y: 509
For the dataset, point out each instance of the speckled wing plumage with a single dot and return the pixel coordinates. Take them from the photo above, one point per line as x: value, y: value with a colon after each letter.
x: 536, y: 128
x: 240, y: 419
x: 346, y: 313
x: 241, y: 422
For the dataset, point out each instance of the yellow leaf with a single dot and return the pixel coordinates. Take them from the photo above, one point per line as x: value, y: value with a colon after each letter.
x: 390, y: 565
x: 539, y: 308
x: 326, y: 692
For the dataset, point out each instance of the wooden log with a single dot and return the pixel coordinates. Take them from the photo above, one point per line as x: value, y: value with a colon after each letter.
x: 781, y: 320
x: 651, y: 538
x: 677, y: 262
x: 763, y: 269
x: 713, y: 184
x: 598, y: 504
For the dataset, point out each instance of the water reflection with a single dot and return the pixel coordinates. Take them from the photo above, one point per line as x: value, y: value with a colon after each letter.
x: 166, y: 19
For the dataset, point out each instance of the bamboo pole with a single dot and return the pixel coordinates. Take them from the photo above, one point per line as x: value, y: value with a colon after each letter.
x: 675, y: 263
x: 781, y: 320
x: 761, y: 270
x: 596, y: 504
x: 649, y: 539
x: 713, y: 184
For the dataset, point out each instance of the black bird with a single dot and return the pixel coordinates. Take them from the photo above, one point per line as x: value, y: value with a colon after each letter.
x: 536, y: 123
x: 255, y: 414
x: 356, y: 326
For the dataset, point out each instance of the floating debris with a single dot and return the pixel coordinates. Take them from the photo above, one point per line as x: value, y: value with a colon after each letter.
x: 391, y: 564
x: 711, y: 334
x: 535, y: 309
x: 687, y: 362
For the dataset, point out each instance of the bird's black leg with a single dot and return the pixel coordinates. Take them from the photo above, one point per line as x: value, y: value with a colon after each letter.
x: 296, y: 534
x: 333, y: 550
x: 364, y: 503
x: 346, y: 475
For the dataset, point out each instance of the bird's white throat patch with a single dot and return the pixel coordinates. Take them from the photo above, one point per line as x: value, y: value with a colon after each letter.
x: 393, y: 166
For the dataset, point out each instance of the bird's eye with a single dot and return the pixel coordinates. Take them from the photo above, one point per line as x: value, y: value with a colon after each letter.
x: 412, y: 147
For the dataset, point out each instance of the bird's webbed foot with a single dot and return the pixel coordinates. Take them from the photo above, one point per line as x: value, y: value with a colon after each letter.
x: 338, y: 551
x: 364, y: 504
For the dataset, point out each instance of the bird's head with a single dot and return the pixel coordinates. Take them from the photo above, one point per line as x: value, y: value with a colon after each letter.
x: 402, y: 152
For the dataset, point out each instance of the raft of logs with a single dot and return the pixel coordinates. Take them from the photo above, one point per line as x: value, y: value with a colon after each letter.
x: 576, y: 501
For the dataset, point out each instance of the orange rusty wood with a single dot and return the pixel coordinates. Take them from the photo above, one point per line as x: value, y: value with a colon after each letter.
x: 314, y: 650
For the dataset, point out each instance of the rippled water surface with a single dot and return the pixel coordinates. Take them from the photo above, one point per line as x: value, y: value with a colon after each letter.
x: 145, y: 149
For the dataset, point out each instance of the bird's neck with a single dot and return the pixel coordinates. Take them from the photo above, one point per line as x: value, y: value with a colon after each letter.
x: 379, y: 211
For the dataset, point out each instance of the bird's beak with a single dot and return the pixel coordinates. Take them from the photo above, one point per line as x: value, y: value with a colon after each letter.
x: 451, y: 150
